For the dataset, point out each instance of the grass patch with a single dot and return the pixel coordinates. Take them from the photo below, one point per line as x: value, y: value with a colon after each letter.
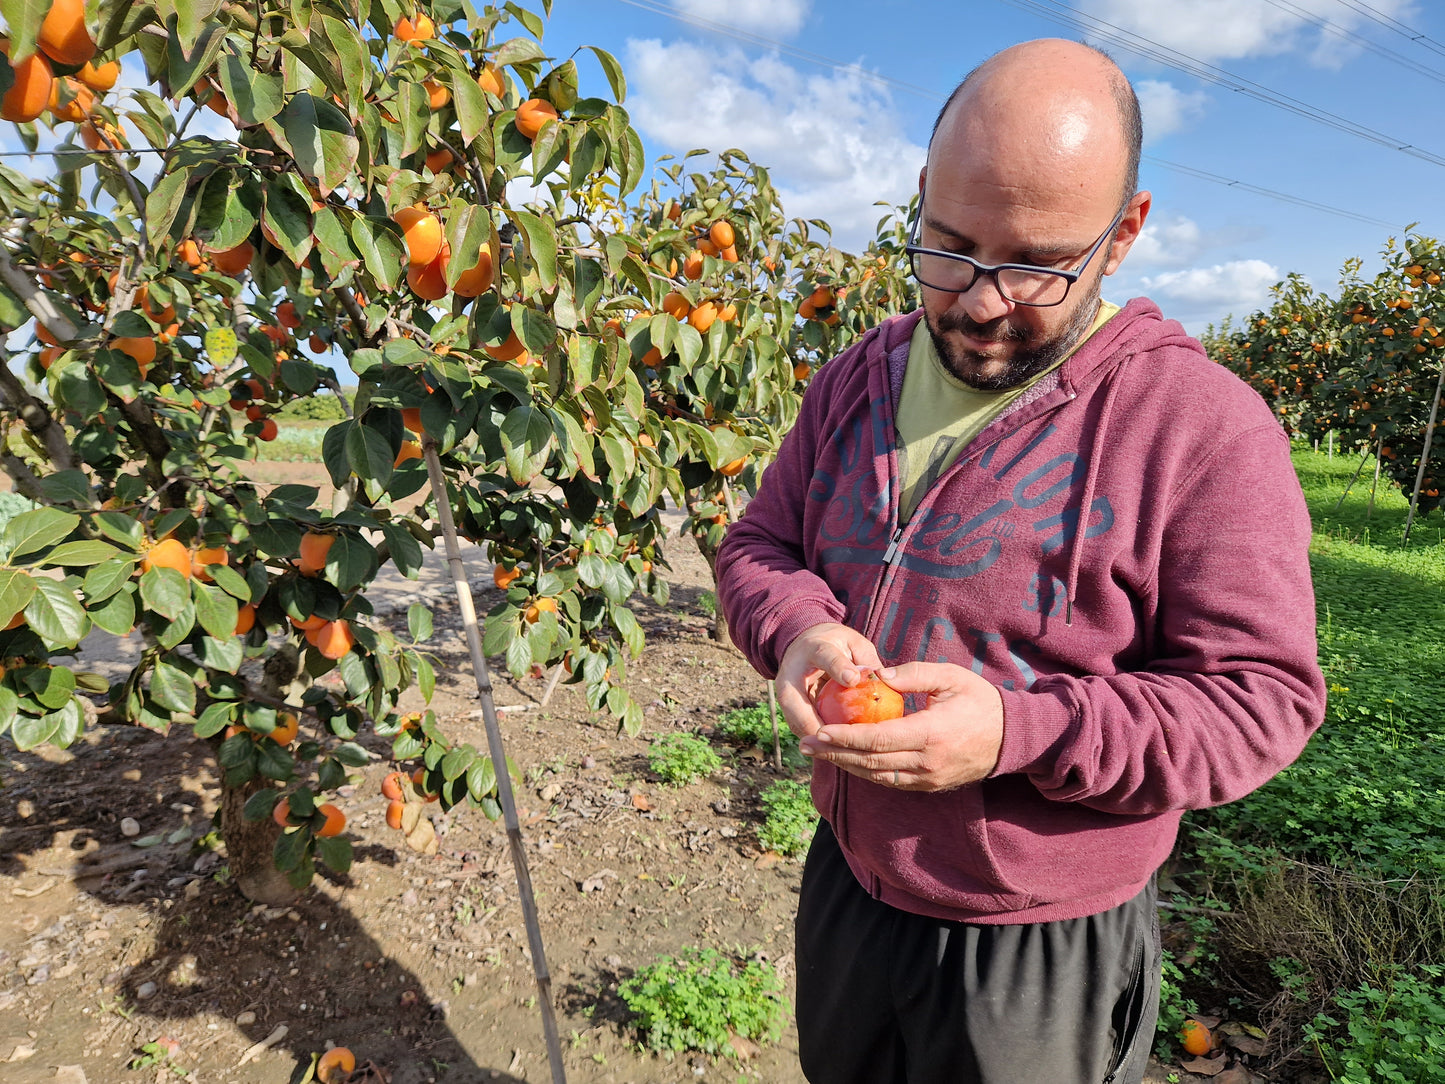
x: 679, y: 759
x: 700, y: 999
x: 791, y: 819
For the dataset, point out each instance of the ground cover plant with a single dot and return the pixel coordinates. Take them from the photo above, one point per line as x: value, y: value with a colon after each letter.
x: 700, y: 999
x: 679, y: 759
x: 1330, y: 880
x: 791, y: 819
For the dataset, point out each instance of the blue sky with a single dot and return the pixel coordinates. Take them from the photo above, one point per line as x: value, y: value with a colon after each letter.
x: 838, y: 138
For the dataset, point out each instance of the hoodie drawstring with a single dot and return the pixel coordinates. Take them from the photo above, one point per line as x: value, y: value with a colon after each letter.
x: 1091, y: 480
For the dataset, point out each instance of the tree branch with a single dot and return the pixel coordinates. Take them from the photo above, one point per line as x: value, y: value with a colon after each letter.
x: 36, y: 417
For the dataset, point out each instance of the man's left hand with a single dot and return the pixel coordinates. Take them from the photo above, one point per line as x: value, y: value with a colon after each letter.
x: 953, y: 741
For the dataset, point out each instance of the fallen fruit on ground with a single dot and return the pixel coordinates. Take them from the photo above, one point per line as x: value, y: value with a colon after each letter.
x: 1195, y: 1037
x: 338, y: 1062
x: 872, y: 700
x: 391, y: 787
x: 394, y: 809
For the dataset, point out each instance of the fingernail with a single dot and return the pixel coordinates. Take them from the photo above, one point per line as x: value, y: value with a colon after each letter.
x: 822, y: 736
x: 849, y: 677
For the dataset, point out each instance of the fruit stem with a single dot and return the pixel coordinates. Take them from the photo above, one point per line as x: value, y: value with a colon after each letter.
x: 498, y: 754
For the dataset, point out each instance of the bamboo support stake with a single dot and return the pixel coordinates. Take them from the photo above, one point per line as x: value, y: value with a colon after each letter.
x: 1374, y: 485
x: 1351, y: 484
x: 773, y: 718
x: 1424, y: 455
x: 498, y: 754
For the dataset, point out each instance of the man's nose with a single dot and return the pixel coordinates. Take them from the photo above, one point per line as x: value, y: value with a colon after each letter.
x: 982, y: 301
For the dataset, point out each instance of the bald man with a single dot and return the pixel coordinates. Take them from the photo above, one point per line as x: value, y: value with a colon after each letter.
x: 1079, y: 548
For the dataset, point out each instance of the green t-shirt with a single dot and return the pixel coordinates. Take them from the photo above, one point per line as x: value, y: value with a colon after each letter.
x: 938, y: 414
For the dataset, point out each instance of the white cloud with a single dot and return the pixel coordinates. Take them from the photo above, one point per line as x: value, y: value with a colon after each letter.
x: 1165, y: 242
x: 1166, y: 108
x: 778, y: 18
x: 833, y: 142
x: 1215, y: 30
x: 1238, y: 285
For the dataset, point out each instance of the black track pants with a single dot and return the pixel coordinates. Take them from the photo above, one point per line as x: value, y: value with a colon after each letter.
x: 889, y: 997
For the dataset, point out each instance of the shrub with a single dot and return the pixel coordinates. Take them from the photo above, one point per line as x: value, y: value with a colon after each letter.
x: 699, y: 999
x: 791, y: 818
x: 751, y: 726
x: 681, y: 758
x: 320, y: 408
x: 1394, y: 1034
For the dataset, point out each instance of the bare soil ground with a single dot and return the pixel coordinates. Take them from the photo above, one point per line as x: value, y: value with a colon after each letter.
x: 419, y: 965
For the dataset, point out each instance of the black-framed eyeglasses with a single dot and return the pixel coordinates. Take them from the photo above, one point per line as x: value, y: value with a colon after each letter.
x: 1019, y: 283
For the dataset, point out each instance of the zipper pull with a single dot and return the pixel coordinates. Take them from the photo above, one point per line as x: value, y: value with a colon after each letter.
x: 893, y: 544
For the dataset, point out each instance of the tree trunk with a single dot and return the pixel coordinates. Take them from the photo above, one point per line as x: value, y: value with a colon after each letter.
x: 250, y: 846
x: 720, y: 631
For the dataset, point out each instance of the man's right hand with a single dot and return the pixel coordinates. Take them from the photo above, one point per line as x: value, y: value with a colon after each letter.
x: 822, y: 651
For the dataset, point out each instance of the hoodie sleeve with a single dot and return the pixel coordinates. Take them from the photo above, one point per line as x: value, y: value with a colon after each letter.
x: 1233, y: 689
x: 765, y: 588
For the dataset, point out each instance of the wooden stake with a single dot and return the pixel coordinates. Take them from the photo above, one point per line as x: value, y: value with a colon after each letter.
x: 1351, y: 484
x: 773, y: 718
x: 1370, y: 508
x: 498, y: 754
x: 1424, y: 455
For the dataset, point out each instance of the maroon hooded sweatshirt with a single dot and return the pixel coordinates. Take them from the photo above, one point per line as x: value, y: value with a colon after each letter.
x: 1155, y: 653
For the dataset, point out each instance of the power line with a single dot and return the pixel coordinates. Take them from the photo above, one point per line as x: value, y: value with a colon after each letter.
x: 1390, y: 23
x: 1056, y: 11
x: 1335, y: 29
x: 883, y: 80
x: 1245, y: 186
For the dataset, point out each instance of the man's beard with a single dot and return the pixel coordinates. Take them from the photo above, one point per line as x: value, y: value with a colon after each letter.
x: 1028, y: 360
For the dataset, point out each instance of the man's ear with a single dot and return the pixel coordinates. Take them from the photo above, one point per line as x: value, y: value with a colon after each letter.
x: 1130, y: 226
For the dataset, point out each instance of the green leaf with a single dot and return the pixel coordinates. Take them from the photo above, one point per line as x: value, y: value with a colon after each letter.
x: 369, y: 454
x: 23, y: 17
x: 54, y: 614
x: 215, y: 610
x: 526, y: 440
x: 274, y: 762
x: 77, y: 389
x: 243, y: 209
x: 58, y: 727
x: 471, y: 106
x: 534, y: 328
x: 117, y: 615
x: 322, y: 138
x: 177, y: 630
x: 541, y: 243
x: 413, y: 110
x: 164, y: 201
x: 405, y: 550
x: 16, y: 588
x: 121, y: 528
x: 419, y: 621
x: 256, y: 96
x: 426, y: 678
x: 519, y: 656
x: 70, y: 486
x: 288, y: 214
x: 517, y: 51
x: 192, y: 45
x: 173, y: 689
x: 165, y: 591
x: 613, y: 71
x: 53, y: 686
x: 231, y: 582
x: 225, y: 655
x: 481, y: 778
x: 332, y: 242
x: 334, y: 852
x: 381, y: 248
x: 36, y: 529
x: 79, y: 554
x: 350, y: 561
x: 215, y: 719
x: 354, y: 61
x: 469, y: 228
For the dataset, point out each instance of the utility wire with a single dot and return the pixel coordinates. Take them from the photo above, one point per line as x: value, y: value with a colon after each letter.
x: 1057, y: 11
x: 1390, y: 23
x: 828, y: 62
x: 1324, y: 26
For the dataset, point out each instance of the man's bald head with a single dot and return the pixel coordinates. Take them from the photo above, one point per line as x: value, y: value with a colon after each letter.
x: 1047, y: 98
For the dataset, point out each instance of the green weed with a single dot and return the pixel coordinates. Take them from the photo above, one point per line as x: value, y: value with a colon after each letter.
x: 678, y: 759
x: 700, y: 998
x: 1393, y: 1034
x: 791, y: 819
x: 751, y: 726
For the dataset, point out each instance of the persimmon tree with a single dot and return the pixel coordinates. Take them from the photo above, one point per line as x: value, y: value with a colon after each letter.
x: 1365, y: 365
